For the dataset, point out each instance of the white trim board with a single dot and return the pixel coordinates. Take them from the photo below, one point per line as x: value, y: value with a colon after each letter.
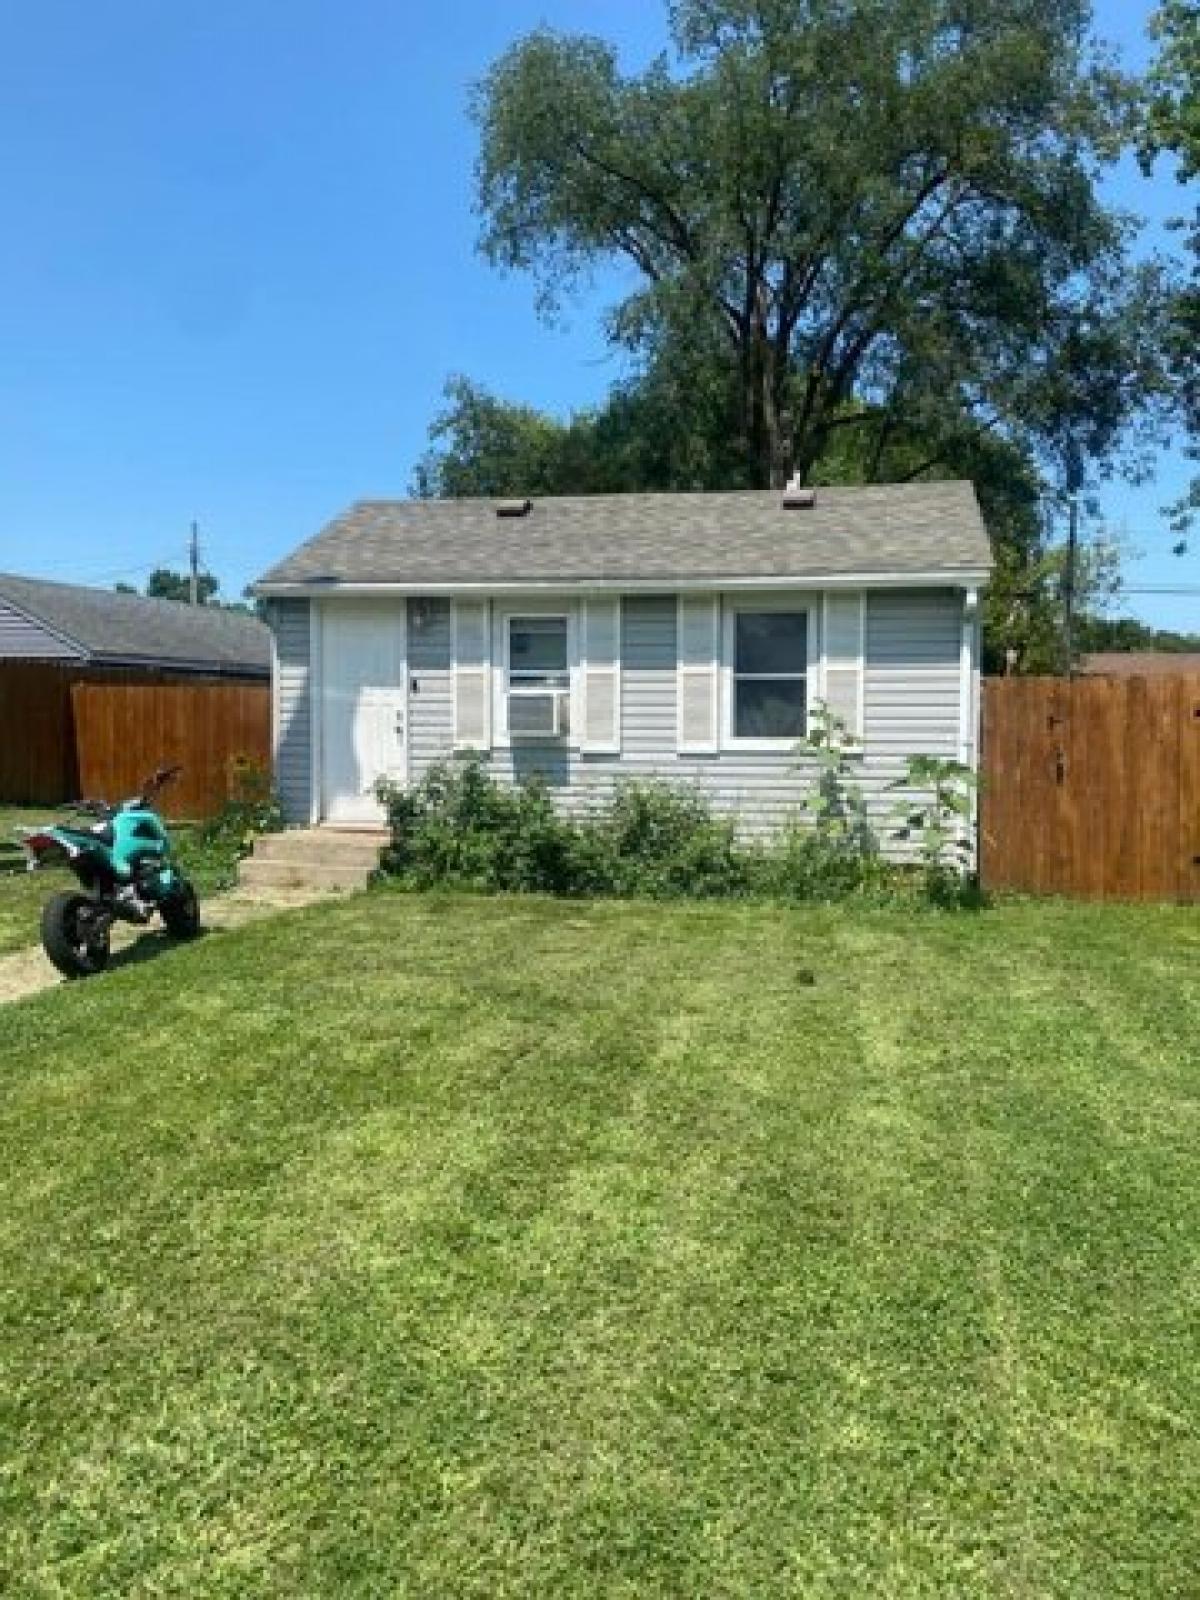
x: 316, y: 699
x: 974, y: 578
x: 968, y: 752
x: 276, y: 715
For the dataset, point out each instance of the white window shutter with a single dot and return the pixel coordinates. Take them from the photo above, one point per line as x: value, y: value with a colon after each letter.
x: 844, y: 648
x: 699, y: 655
x: 471, y: 659
x: 600, y: 675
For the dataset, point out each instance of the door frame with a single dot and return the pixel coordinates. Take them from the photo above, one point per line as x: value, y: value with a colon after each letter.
x: 318, y: 610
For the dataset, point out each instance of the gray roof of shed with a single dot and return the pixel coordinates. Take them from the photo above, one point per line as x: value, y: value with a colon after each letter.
x: 921, y: 528
x: 1141, y: 663
x: 117, y: 628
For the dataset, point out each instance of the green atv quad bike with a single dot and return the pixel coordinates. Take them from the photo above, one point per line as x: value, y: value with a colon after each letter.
x: 125, y: 867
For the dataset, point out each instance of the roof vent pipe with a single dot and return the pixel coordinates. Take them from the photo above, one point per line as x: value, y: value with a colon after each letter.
x: 796, y: 497
x: 513, y: 508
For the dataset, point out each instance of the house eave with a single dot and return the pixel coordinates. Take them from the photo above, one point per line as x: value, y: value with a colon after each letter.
x: 183, y: 666
x: 940, y: 578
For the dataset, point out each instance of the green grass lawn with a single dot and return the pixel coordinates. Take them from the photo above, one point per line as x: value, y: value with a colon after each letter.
x: 22, y: 893
x: 458, y: 1247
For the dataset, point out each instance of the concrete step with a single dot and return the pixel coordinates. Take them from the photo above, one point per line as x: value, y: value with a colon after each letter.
x: 257, y: 873
x: 320, y: 847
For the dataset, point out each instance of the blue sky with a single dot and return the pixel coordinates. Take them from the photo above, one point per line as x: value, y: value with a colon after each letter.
x: 239, y: 264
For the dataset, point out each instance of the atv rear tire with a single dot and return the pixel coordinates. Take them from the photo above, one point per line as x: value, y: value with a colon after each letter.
x: 181, y: 913
x: 70, y: 937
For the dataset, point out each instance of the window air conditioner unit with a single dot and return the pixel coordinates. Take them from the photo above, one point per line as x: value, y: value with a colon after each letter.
x: 543, y: 714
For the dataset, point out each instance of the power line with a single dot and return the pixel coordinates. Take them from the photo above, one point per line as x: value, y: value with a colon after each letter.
x: 1165, y: 588
x: 114, y: 575
x: 1124, y: 531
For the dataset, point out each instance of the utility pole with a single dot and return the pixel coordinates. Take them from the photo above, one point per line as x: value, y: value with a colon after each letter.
x: 194, y: 567
x: 1074, y: 484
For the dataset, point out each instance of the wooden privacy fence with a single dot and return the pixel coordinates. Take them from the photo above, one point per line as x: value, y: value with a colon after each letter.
x: 1091, y: 787
x: 125, y: 731
x: 37, y: 736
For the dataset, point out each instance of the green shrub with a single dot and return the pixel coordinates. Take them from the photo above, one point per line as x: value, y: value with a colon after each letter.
x: 805, y: 864
x: 252, y: 807
x: 210, y: 852
x: 458, y: 826
x: 664, y: 842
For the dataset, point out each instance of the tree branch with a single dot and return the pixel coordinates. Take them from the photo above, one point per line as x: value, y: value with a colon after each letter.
x: 853, y: 419
x: 930, y: 461
x: 679, y: 233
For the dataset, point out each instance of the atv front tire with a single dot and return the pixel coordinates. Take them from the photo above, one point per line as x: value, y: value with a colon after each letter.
x: 74, y: 936
x: 181, y: 913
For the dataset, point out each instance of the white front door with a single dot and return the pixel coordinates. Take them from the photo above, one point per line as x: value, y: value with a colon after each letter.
x: 364, y: 707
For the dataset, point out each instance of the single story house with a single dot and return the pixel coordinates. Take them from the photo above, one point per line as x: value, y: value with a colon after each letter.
x: 674, y: 636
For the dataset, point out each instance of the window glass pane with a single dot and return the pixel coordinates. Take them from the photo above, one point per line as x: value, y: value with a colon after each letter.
x: 537, y: 644
x: 769, y: 708
x: 771, y: 641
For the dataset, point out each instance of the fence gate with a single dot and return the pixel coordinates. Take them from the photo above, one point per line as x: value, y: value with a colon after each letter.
x: 1091, y: 787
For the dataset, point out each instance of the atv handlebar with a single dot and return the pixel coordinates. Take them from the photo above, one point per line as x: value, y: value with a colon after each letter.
x: 102, y: 808
x: 161, y: 778
x: 91, y: 808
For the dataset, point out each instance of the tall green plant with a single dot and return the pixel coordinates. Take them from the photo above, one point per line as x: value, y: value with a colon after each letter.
x: 252, y: 806
x: 936, y: 813
x: 836, y: 804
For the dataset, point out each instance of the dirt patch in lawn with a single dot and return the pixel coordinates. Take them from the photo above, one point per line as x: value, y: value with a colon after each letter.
x: 28, y: 971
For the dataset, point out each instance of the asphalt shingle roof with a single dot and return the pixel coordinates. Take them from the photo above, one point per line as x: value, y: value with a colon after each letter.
x: 894, y: 528
x: 111, y: 627
x: 1141, y: 663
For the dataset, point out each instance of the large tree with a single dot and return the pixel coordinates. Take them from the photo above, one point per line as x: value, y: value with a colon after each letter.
x: 1172, y: 127
x: 877, y: 216
x: 651, y: 432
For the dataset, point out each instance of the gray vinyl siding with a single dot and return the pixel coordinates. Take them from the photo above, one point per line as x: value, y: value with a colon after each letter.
x: 22, y: 639
x: 911, y: 705
x: 914, y: 640
x: 289, y: 620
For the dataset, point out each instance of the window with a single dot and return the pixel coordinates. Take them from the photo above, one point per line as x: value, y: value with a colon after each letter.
x: 537, y: 653
x: 770, y: 674
x: 539, y: 677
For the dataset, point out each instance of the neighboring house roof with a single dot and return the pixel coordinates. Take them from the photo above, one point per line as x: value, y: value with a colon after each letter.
x: 893, y: 529
x: 113, y: 629
x: 1140, y: 663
